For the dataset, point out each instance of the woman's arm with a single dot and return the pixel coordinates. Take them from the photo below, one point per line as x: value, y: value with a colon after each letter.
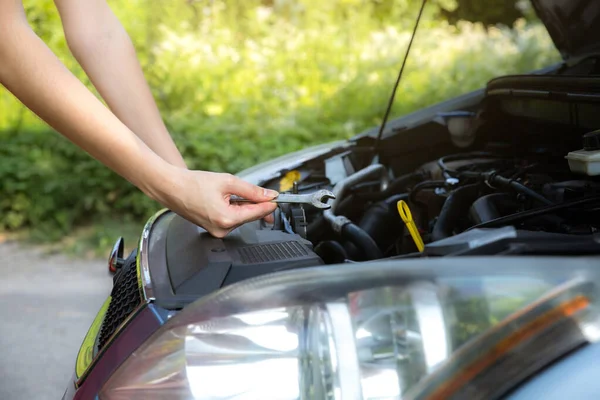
x: 104, y: 50
x: 34, y: 75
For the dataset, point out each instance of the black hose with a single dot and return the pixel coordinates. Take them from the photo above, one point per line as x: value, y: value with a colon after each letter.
x: 382, y: 222
x: 536, y: 212
x: 345, y: 204
x: 331, y: 251
x: 350, y: 206
x: 362, y: 241
x: 317, y: 230
x: 462, y: 156
x: 397, y: 185
x: 492, y: 206
x: 454, y: 210
x: 421, y: 186
x: 519, y: 187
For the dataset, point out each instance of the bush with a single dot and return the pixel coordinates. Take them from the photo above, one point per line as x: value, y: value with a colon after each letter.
x: 489, y: 12
x: 234, y: 94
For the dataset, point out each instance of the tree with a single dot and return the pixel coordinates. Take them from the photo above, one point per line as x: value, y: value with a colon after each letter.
x: 489, y: 12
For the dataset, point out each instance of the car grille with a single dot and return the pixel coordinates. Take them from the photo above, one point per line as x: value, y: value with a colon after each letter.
x: 125, y: 298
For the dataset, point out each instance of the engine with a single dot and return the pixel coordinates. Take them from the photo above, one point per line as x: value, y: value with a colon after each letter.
x: 474, y: 203
x: 514, y: 171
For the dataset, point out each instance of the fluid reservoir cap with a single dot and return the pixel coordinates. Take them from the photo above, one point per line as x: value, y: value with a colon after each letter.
x: 591, y: 141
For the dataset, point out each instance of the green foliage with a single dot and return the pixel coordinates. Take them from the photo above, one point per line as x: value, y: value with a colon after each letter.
x: 48, y: 183
x: 242, y: 81
x: 489, y: 12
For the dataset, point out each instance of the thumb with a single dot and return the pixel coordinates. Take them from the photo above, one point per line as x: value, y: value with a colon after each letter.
x: 253, y: 212
x: 251, y: 192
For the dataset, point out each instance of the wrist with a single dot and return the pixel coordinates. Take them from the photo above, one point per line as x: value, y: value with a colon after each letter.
x: 161, y: 180
x: 177, y: 161
x: 161, y: 142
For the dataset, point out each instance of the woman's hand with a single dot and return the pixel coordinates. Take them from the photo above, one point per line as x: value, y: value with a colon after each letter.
x: 36, y: 77
x: 204, y: 199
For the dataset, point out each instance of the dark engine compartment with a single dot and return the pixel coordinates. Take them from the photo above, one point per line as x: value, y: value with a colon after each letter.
x: 498, y: 185
x: 462, y: 204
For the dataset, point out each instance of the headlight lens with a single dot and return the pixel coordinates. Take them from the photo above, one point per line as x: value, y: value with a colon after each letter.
x: 373, y: 340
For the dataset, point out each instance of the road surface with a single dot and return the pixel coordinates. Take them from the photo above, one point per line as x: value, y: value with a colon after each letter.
x: 47, y: 303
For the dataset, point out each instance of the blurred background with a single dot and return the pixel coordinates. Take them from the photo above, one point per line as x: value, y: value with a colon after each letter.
x: 242, y: 81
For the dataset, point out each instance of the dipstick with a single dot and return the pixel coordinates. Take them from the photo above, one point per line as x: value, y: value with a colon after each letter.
x: 406, y: 216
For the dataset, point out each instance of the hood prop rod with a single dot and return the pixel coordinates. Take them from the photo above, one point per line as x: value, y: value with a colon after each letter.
x: 393, y: 96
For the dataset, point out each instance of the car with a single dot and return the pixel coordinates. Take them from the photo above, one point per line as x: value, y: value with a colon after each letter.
x: 458, y: 260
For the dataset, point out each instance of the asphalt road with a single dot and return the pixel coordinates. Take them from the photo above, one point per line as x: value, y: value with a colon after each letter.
x: 47, y: 304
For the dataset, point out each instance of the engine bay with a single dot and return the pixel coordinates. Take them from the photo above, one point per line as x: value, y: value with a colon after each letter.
x: 493, y: 179
x: 468, y: 203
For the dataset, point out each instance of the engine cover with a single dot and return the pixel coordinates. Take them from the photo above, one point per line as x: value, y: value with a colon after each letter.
x: 185, y: 262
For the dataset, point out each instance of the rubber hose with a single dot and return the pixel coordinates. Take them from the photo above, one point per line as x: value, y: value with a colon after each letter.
x: 362, y: 240
x: 455, y: 208
x: 346, y: 204
x: 422, y: 186
x: 332, y: 252
x: 382, y: 222
x: 317, y: 230
x: 462, y: 156
x: 397, y: 185
x: 531, y: 193
x: 502, y: 181
x: 492, y: 206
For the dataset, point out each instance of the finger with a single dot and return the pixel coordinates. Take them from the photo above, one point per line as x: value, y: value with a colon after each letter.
x: 252, y: 212
x: 249, y: 191
x: 269, y: 219
x: 218, y: 232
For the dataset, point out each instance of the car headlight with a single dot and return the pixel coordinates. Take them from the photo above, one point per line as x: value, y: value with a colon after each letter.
x: 357, y: 331
x: 270, y: 169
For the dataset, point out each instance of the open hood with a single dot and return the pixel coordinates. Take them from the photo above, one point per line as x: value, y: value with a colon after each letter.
x: 574, y: 25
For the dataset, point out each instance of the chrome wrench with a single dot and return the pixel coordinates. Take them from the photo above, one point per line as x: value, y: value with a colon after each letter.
x: 317, y: 199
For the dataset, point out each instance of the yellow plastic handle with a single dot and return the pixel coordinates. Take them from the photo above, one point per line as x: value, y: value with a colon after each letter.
x: 406, y: 216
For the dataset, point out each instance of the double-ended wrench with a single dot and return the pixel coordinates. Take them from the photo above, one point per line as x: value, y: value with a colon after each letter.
x: 317, y: 199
